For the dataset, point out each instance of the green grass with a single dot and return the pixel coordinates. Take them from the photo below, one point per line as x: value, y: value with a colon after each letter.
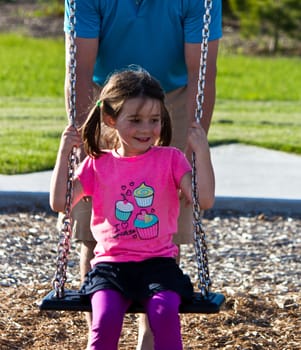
x: 31, y: 67
x: 251, y: 78
x: 258, y: 102
x: 270, y: 124
x: 30, y: 133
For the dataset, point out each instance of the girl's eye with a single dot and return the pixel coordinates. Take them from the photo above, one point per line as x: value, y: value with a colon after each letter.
x: 135, y: 120
x: 138, y: 120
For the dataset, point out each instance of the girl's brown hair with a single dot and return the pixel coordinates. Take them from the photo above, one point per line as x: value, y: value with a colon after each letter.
x: 119, y: 87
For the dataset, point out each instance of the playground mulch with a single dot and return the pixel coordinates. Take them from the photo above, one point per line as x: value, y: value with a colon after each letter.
x: 254, y: 261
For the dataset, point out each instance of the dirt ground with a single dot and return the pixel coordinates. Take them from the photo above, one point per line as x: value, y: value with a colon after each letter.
x: 19, y: 16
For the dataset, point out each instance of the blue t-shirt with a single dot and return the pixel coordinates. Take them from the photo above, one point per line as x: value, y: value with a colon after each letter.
x: 148, y: 33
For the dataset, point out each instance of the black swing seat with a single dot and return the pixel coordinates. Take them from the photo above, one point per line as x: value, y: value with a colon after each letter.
x: 73, y: 301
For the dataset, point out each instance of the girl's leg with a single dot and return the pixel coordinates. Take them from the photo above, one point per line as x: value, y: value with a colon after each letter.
x: 108, y: 309
x: 163, y: 315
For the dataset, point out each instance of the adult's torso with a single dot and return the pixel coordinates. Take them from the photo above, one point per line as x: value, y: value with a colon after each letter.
x: 148, y: 33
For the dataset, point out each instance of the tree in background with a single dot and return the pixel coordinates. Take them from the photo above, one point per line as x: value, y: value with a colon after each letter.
x: 272, y: 17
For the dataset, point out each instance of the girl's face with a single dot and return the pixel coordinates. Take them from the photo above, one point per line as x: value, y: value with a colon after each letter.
x: 138, y: 125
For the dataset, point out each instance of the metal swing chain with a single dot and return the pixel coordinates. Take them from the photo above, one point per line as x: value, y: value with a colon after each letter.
x: 199, y: 234
x: 64, y: 244
x: 66, y: 230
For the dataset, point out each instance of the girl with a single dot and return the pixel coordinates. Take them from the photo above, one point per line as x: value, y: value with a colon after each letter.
x: 135, y: 200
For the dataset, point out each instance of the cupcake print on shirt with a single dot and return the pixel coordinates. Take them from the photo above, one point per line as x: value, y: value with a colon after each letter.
x: 123, y: 210
x: 137, y: 200
x: 144, y: 196
x: 146, y: 225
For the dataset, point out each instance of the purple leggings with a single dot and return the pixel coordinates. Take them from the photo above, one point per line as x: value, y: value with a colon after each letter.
x: 110, y: 306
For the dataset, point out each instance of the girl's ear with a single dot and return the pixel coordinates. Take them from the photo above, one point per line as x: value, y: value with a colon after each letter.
x: 108, y: 120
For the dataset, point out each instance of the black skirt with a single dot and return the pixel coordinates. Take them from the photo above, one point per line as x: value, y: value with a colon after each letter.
x: 139, y: 280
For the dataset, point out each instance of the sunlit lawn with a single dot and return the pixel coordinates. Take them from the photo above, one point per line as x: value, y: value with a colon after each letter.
x: 258, y: 102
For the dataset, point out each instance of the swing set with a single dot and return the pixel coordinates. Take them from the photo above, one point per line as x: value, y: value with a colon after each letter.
x: 59, y: 298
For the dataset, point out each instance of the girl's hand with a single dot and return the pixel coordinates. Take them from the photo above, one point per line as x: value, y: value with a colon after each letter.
x: 71, y: 137
x: 197, y: 138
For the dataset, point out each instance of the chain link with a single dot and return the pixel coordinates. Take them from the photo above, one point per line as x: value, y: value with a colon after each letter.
x: 64, y: 244
x: 198, y: 232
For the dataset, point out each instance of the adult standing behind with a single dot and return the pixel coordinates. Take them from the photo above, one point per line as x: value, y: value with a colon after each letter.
x: 164, y: 37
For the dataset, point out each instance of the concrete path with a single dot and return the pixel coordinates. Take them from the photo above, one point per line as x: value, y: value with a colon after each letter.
x: 248, y: 178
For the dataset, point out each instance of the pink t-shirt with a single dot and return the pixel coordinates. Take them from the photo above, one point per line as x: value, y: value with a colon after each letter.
x: 135, y: 203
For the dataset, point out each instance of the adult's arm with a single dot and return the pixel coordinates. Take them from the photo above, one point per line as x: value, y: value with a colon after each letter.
x: 86, y: 52
x: 192, y: 58
x: 197, y: 140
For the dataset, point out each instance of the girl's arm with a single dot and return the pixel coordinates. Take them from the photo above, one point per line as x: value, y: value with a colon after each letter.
x: 197, y: 140
x: 58, y: 186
